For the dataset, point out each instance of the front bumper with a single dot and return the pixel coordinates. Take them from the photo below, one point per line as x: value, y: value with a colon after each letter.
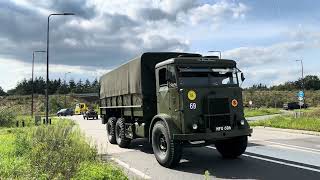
x: 212, y: 136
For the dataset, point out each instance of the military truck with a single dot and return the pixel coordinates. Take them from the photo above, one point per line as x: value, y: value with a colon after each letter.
x: 175, y: 100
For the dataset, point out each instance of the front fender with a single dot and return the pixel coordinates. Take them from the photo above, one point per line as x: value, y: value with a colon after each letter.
x: 171, y: 126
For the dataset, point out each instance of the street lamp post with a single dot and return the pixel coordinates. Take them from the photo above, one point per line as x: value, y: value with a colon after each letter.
x: 65, y: 84
x: 47, y: 80
x: 32, y: 91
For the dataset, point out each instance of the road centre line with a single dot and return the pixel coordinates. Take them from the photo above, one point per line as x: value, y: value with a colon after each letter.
x: 133, y: 170
x: 275, y: 161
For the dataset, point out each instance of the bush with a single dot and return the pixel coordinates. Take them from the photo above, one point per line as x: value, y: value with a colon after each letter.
x: 7, y: 117
x: 99, y: 170
x: 59, y: 151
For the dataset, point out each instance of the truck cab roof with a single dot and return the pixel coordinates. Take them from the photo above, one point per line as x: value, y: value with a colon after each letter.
x: 199, y: 62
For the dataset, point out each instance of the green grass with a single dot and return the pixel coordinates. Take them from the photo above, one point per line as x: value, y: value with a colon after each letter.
x: 307, y: 122
x: 250, y: 112
x: 57, y: 151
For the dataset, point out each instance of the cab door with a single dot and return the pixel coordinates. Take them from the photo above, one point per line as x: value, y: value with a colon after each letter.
x: 162, y: 90
x: 168, y: 97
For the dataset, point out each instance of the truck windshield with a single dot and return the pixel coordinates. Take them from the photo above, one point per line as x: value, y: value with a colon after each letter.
x: 207, y: 76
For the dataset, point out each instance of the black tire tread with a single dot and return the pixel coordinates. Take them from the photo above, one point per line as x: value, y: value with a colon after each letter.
x: 232, y: 148
x: 175, y: 149
x: 112, y: 135
x: 123, y: 142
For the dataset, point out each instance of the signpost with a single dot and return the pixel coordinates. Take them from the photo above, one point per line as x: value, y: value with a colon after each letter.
x: 300, y: 98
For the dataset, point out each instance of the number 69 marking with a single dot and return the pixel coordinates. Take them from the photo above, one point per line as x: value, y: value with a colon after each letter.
x: 193, y: 106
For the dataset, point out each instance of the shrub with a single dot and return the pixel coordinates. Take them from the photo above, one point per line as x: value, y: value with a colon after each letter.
x: 58, y: 150
x: 97, y: 171
x: 7, y: 117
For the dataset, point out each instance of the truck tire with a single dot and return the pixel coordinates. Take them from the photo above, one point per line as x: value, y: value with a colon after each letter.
x: 232, y: 148
x: 167, y: 152
x: 111, y: 127
x: 121, y: 138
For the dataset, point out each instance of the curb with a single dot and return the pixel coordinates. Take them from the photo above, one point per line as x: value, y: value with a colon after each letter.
x: 289, y: 130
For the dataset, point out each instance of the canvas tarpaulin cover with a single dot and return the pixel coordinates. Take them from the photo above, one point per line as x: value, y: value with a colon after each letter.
x: 127, y: 79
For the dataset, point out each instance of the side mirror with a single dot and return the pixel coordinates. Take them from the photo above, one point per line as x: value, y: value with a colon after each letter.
x: 242, y: 77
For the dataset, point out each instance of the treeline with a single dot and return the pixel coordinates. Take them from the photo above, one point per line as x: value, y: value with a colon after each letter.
x: 56, y: 86
x: 309, y: 82
x: 2, y: 93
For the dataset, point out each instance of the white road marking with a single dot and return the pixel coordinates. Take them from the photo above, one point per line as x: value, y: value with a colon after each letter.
x: 295, y: 147
x: 127, y: 166
x: 275, y: 161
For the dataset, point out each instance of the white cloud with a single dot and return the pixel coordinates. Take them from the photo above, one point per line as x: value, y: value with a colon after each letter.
x: 262, y: 55
x: 214, y: 13
x: 12, y: 71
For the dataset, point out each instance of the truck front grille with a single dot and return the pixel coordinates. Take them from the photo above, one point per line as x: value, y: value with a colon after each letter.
x: 217, y: 113
x: 214, y: 106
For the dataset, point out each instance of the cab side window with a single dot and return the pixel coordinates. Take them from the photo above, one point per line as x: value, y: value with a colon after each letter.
x: 162, y: 77
x: 171, y: 76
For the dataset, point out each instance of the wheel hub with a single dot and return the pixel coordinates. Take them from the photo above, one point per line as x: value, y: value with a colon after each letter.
x: 162, y: 143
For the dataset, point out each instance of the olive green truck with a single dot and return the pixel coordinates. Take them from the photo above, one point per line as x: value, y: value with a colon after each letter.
x: 175, y: 100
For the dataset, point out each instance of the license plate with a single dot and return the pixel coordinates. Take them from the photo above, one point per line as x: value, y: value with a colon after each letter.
x: 223, y: 128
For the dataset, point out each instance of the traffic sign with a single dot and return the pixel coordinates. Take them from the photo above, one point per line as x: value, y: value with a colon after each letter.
x: 301, y: 94
x: 300, y: 98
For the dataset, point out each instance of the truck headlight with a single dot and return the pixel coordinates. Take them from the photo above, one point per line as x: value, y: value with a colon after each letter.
x: 242, y: 122
x: 194, y: 126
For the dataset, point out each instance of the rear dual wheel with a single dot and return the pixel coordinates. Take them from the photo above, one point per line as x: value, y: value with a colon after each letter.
x: 120, y: 132
x: 116, y: 132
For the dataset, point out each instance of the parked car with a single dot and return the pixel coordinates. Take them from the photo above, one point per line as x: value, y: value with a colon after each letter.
x: 65, y: 112
x: 90, y: 114
x: 294, y: 105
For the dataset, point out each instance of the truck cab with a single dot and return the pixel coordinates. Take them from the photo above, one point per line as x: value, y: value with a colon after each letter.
x: 202, y: 100
x: 176, y: 100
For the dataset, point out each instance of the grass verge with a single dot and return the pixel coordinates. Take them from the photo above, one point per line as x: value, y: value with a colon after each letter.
x: 57, y: 151
x: 250, y: 112
x: 308, y: 123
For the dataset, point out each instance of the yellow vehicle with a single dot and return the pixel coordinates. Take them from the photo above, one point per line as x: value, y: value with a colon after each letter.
x: 81, y: 108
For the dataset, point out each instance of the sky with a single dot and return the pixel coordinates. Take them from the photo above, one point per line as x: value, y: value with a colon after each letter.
x: 264, y: 37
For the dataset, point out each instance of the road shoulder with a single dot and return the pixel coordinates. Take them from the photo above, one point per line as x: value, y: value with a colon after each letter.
x: 289, y: 130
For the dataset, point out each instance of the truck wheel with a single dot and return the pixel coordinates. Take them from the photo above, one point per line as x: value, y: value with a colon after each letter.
x: 167, y: 152
x: 111, y: 126
x: 121, y: 138
x: 232, y: 148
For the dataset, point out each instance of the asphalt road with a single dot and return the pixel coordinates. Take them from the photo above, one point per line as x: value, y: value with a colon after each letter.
x: 270, y: 155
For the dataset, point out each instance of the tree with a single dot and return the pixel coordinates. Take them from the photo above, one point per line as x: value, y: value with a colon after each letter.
x: 2, y: 93
x: 87, y: 86
x: 72, y: 85
x: 95, y: 86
